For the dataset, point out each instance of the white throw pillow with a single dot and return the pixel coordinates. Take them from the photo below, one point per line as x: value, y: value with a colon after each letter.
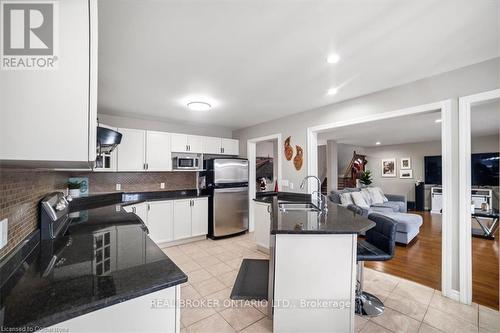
x: 382, y: 194
x: 376, y: 197
x: 345, y: 199
x: 366, y: 194
x: 359, y: 200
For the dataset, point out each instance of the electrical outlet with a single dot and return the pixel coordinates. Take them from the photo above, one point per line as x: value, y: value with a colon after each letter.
x: 162, y: 185
x: 4, y: 228
x: 118, y: 187
x: 290, y: 186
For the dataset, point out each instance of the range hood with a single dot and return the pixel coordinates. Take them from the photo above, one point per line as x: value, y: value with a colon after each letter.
x: 107, y: 140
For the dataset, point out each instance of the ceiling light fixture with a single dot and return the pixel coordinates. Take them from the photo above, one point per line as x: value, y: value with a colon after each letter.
x: 199, y: 106
x: 333, y: 58
x: 438, y: 120
x: 333, y: 91
x: 377, y: 143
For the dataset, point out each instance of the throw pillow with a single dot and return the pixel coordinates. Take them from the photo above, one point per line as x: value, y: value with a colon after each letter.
x: 382, y: 194
x: 366, y: 195
x: 376, y: 197
x: 345, y: 199
x: 359, y: 200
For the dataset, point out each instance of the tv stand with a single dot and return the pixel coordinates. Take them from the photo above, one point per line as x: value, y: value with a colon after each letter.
x: 478, y: 196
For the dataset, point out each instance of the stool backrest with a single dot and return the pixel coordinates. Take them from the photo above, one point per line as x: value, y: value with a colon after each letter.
x: 383, y: 235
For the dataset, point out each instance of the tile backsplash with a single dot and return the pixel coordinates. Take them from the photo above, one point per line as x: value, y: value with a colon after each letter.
x: 21, y: 191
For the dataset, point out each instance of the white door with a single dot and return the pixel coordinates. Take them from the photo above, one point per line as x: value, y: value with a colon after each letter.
x: 131, y: 151
x: 179, y: 143
x: 230, y: 147
x: 195, y: 143
x: 199, y: 217
x: 158, y: 156
x: 212, y: 145
x: 182, y: 219
x: 262, y: 224
x: 160, y: 221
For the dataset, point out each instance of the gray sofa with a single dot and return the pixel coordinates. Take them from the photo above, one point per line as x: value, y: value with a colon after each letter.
x: 408, y: 225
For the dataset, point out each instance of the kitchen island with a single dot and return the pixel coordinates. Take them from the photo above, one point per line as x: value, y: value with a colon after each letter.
x: 312, y: 273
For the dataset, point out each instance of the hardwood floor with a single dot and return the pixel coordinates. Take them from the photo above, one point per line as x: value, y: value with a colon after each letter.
x: 421, y: 262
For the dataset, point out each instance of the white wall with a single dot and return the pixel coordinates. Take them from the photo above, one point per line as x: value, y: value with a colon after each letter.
x: 165, y: 126
x: 322, y: 162
x: 450, y: 85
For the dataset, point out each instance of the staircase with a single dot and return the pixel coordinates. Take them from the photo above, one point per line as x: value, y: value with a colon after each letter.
x: 353, y: 171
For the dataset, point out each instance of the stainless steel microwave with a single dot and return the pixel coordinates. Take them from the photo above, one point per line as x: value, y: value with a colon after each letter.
x: 186, y: 162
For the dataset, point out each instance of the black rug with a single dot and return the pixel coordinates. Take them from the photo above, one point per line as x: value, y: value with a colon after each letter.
x: 252, y: 280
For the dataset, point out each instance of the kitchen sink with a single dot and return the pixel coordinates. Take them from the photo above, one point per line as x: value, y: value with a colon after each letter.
x: 288, y: 206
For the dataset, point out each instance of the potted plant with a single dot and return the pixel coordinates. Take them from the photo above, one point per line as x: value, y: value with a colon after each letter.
x: 366, y: 178
x: 74, y: 189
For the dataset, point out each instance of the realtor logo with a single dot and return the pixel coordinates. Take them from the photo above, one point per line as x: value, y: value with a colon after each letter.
x: 28, y: 35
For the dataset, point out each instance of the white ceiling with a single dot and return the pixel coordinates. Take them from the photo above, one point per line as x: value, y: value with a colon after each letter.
x: 263, y: 59
x: 485, y: 120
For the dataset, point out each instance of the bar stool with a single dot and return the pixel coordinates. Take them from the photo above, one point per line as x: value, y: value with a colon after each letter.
x: 378, y: 245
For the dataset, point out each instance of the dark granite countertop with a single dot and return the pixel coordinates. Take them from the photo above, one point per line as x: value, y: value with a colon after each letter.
x: 267, y: 197
x: 93, y: 269
x: 338, y: 220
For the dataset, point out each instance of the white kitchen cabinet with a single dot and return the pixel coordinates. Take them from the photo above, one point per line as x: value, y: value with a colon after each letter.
x: 161, y: 221
x: 262, y: 234
x: 49, y: 116
x: 212, y: 145
x: 131, y: 151
x: 158, y: 156
x: 230, y: 147
x: 182, y: 219
x: 199, y: 217
x: 140, y: 209
x: 183, y: 143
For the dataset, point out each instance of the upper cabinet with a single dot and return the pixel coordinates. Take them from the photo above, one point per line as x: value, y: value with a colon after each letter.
x: 144, y: 151
x: 158, y: 156
x: 220, y: 146
x: 49, y: 116
x: 184, y: 143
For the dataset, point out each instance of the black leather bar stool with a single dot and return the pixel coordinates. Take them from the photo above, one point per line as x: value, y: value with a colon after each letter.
x: 355, y: 209
x: 378, y: 245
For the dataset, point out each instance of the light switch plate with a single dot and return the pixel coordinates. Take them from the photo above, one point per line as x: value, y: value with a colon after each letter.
x: 162, y: 185
x: 4, y: 228
x: 118, y: 187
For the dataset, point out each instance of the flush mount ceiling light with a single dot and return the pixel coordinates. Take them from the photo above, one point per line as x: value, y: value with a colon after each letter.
x: 199, y: 106
x: 438, y: 120
x: 333, y: 58
x: 333, y: 91
x: 377, y: 143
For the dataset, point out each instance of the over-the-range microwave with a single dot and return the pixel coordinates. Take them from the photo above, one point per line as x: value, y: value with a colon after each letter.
x: 186, y: 162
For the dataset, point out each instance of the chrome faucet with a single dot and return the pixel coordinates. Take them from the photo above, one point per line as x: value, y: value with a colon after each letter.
x: 322, y: 200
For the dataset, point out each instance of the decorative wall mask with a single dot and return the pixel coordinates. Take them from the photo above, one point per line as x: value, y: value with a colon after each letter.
x: 299, y: 158
x: 288, y: 149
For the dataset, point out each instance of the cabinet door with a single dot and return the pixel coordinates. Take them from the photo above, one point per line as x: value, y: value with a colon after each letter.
x: 262, y: 224
x: 182, y: 219
x: 141, y: 210
x: 179, y: 143
x: 212, y: 145
x: 158, y: 156
x: 195, y: 143
x: 131, y: 150
x: 160, y: 221
x: 230, y: 147
x: 199, y: 217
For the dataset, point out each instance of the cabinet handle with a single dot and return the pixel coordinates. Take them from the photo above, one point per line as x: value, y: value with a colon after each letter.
x: 147, y: 166
x: 223, y: 150
x: 149, y: 207
x: 269, y: 209
x: 133, y: 210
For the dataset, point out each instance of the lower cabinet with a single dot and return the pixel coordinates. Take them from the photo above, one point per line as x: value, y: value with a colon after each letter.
x: 172, y: 220
x: 160, y: 221
x: 262, y: 225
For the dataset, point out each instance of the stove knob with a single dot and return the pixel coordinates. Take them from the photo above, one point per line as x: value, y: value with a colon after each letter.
x: 61, y: 205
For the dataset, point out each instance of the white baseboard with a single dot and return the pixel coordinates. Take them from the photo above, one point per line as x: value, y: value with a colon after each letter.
x: 181, y: 241
x: 454, y: 295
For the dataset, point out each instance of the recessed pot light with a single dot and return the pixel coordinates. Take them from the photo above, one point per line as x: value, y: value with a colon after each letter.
x: 438, y: 120
x: 377, y: 143
x: 333, y: 58
x: 199, y: 106
x: 333, y: 91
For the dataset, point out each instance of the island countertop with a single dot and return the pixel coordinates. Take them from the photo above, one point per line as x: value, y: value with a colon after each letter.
x: 338, y: 220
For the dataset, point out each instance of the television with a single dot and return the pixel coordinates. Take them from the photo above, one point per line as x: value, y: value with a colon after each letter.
x: 484, y: 169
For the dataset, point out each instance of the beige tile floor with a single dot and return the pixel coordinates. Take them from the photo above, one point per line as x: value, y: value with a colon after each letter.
x: 212, y: 267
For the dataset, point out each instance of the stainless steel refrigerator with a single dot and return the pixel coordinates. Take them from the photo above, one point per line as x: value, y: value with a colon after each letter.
x: 227, y: 185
